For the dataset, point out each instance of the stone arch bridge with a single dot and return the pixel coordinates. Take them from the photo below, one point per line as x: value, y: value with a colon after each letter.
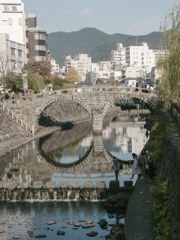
x: 95, y: 99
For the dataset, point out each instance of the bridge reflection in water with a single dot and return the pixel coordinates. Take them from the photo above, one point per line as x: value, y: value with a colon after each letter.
x: 78, y: 154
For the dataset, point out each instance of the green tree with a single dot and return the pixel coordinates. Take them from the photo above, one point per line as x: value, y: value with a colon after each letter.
x: 72, y: 75
x: 36, y: 82
x: 170, y: 81
x: 14, y: 82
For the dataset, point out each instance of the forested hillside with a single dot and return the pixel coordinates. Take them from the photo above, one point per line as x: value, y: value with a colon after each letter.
x: 95, y: 43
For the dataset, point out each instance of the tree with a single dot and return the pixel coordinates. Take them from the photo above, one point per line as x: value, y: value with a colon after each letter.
x: 35, y: 67
x: 14, y: 82
x: 7, y: 67
x: 36, y: 82
x: 72, y: 75
x: 170, y: 81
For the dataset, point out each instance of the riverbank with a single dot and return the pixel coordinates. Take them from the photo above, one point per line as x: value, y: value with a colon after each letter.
x: 139, y: 223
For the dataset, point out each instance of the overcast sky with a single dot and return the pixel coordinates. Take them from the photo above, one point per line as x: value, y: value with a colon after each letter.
x: 134, y: 17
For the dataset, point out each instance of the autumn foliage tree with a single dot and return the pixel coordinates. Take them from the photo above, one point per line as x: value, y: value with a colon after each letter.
x: 72, y: 76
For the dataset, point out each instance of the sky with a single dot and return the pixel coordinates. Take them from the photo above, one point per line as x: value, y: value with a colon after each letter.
x: 133, y: 17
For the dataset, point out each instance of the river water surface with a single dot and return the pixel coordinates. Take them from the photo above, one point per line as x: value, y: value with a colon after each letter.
x: 73, y: 155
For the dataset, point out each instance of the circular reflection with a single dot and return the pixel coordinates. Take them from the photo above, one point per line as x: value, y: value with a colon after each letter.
x: 65, y: 154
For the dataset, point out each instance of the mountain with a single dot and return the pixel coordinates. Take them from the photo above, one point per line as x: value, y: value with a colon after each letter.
x: 95, y: 43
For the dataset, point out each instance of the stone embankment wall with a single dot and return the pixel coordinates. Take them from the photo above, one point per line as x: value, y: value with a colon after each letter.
x: 170, y: 169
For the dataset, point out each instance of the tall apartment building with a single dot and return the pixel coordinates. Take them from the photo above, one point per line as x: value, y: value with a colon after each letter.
x: 118, y: 55
x: 13, y: 38
x: 54, y: 66
x: 81, y: 62
x: 38, y: 40
x: 141, y: 56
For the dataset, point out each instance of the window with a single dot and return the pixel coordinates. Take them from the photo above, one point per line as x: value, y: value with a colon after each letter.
x: 39, y: 36
x: 14, y: 8
x: 4, y: 22
x: 40, y: 58
x: 10, y: 21
x: 13, y: 51
x: 13, y: 64
x: 6, y: 8
x: 40, y: 48
x: 20, y: 21
x: 20, y: 53
x: 20, y: 65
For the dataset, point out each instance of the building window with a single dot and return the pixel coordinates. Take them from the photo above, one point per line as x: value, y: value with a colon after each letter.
x: 13, y: 51
x: 20, y: 53
x: 13, y: 65
x: 6, y: 8
x: 39, y: 58
x: 14, y: 8
x: 20, y: 21
x: 10, y: 21
x: 4, y: 22
x: 40, y: 48
x: 20, y: 65
x: 39, y: 36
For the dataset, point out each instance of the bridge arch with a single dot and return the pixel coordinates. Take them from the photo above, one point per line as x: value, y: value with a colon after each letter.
x: 48, y: 103
x: 97, y: 100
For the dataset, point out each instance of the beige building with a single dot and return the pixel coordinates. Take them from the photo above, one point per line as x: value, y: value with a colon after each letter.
x: 81, y: 62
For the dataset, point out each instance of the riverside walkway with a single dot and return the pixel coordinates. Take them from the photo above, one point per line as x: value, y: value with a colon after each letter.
x: 140, y: 224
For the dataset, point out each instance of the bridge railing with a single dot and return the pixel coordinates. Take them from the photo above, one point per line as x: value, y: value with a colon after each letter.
x: 105, y: 88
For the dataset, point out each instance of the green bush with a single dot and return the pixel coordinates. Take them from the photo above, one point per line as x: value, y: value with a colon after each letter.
x: 161, y: 204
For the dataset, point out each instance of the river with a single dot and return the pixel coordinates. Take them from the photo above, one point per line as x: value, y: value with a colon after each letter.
x: 74, y: 155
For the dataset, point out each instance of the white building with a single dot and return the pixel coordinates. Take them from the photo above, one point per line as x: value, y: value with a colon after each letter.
x: 13, y: 38
x: 54, y: 66
x: 141, y: 56
x: 134, y: 71
x: 117, y: 75
x: 118, y: 55
x: 93, y: 74
x: 81, y: 62
x: 12, y: 54
x: 157, y: 71
x: 13, y: 20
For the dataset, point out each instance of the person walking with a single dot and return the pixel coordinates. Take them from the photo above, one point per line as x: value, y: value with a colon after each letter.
x: 135, y: 168
x: 116, y: 167
x: 143, y: 157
